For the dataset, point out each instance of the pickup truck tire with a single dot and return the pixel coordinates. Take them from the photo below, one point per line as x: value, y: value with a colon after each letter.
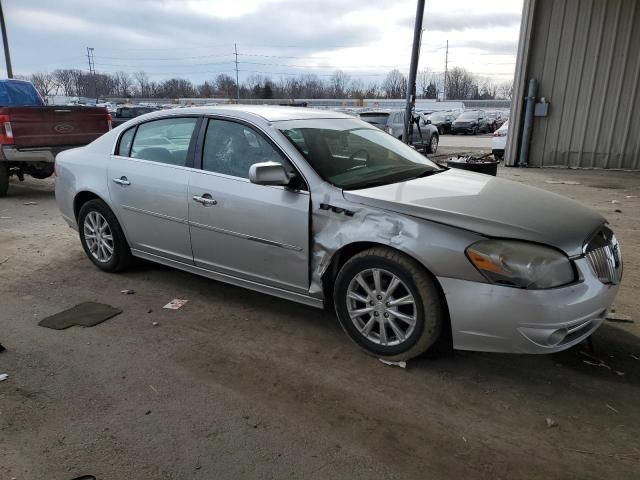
x: 41, y: 171
x: 102, y: 237
x: 4, y: 179
x: 373, y: 314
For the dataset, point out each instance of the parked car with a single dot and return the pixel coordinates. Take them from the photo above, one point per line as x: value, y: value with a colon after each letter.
x: 442, y: 121
x: 31, y: 134
x: 126, y: 113
x: 471, y: 121
x: 495, y: 120
x: 499, y: 141
x: 423, y: 136
x: 324, y: 209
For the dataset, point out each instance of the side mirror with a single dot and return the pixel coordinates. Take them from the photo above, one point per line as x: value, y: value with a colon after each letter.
x: 428, y: 122
x: 269, y: 173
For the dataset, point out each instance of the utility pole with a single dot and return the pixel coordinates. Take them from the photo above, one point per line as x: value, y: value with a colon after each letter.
x: 7, y: 57
x: 92, y: 70
x: 235, y: 46
x: 446, y: 71
x: 413, y: 70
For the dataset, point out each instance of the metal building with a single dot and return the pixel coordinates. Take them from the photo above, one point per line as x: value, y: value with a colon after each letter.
x: 585, y: 58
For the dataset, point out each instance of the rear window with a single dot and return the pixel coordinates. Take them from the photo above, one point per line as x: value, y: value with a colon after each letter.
x: 375, y: 118
x: 19, y: 94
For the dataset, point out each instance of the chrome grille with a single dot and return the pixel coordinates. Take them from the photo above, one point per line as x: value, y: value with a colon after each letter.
x: 603, y: 255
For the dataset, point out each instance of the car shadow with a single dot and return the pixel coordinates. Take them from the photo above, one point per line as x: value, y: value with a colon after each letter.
x: 612, y: 355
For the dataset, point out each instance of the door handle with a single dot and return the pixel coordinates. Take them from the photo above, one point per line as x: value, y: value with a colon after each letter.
x: 124, y: 181
x: 205, y: 200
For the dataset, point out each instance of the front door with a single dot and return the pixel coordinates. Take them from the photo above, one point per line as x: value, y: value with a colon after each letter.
x: 148, y: 183
x: 255, y: 232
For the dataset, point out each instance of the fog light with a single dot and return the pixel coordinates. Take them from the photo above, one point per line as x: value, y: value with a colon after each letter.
x: 557, y: 337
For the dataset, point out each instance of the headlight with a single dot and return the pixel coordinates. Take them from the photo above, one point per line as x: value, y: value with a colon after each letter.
x: 521, y: 264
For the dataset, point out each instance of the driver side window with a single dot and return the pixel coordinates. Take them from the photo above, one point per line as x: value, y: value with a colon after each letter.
x: 231, y: 148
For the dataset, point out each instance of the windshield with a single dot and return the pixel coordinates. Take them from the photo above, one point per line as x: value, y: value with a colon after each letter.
x: 352, y: 155
x: 437, y: 118
x: 469, y: 115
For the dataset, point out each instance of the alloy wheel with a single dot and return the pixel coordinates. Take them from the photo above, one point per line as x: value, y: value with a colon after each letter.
x: 381, y: 307
x: 98, y: 236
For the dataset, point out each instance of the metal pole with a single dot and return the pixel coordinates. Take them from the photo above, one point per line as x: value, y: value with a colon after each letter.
x: 235, y: 46
x: 446, y: 71
x: 7, y: 57
x: 413, y: 69
x: 92, y: 70
x: 523, y: 158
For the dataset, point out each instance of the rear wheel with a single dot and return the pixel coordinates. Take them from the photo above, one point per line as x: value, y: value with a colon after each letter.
x: 388, y: 304
x: 433, y: 144
x: 102, y: 237
x: 4, y: 179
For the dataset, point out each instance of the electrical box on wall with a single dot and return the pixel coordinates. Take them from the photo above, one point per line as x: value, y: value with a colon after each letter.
x: 541, y: 108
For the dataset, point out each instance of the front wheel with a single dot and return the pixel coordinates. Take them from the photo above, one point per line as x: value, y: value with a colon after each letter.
x: 4, y: 179
x: 102, y: 237
x: 388, y: 304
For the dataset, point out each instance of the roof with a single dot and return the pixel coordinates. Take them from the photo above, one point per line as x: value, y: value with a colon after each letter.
x: 269, y: 113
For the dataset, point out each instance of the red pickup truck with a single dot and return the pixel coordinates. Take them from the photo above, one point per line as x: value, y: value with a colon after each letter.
x: 32, y: 134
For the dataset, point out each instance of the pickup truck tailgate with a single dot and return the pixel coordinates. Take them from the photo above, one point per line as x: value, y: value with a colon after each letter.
x: 56, y: 125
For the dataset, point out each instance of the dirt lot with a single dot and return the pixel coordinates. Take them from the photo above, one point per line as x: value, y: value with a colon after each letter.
x: 242, y: 385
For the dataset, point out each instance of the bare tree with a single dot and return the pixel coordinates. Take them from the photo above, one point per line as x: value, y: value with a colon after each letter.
x: 122, y: 83
x: 338, y: 84
x: 460, y: 84
x: 142, y: 83
x: 505, y: 90
x: 44, y: 82
x: 226, y: 85
x: 422, y: 83
x: 395, y: 85
x: 66, y: 79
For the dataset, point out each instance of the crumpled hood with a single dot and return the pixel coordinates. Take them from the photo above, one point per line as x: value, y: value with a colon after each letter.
x: 488, y: 205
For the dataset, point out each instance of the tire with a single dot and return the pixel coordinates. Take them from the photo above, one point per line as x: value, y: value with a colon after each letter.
x: 120, y: 257
x: 41, y: 171
x: 431, y: 147
x: 4, y: 179
x: 427, y: 308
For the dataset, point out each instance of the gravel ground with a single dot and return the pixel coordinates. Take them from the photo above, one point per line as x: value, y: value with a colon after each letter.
x: 241, y: 385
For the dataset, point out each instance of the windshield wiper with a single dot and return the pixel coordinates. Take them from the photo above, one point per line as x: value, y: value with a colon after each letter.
x: 389, y: 180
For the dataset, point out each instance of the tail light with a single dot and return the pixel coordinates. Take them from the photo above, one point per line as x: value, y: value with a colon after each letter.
x: 6, y: 132
x: 388, y: 130
x: 109, y: 121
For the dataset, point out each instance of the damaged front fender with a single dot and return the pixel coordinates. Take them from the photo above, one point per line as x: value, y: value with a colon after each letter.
x: 337, y: 223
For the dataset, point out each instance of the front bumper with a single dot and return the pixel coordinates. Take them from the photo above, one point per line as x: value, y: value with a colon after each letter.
x: 492, y: 318
x: 461, y: 129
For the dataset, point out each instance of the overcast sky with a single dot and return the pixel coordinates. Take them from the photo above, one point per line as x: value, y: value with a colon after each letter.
x: 195, y: 38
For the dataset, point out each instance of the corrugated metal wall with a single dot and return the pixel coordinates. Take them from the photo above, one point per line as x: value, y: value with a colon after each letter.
x: 585, y: 55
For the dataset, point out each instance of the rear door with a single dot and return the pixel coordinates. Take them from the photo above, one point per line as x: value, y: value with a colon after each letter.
x: 148, y: 183
x: 254, y: 232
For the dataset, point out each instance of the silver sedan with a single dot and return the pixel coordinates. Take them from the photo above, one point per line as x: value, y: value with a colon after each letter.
x: 324, y: 209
